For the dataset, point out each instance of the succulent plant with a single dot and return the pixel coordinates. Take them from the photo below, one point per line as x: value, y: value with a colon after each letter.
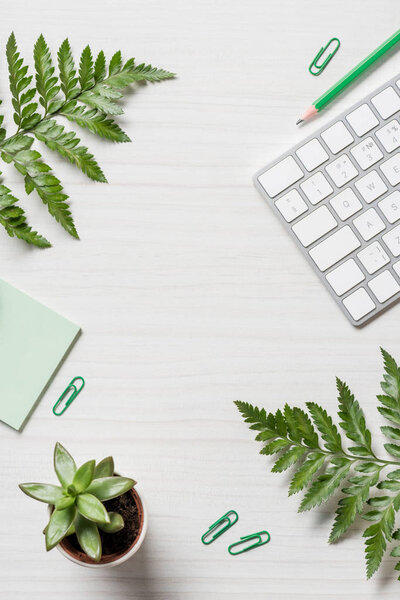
x: 78, y: 502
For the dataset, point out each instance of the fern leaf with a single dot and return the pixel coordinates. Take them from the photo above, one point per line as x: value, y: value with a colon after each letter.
x: 49, y: 189
x: 288, y: 459
x: 66, y: 67
x: 280, y: 424
x: 391, y: 388
x: 101, y: 103
x: 257, y: 417
x: 100, y: 67
x: 15, y: 144
x: 275, y: 446
x: 38, y: 177
x: 389, y: 484
x: 352, y: 504
x: 325, y: 425
x: 115, y: 63
x: 66, y: 144
x: 305, y: 428
x: 306, y: 472
x: 46, y: 83
x: 101, y: 95
x: 12, y: 218
x: 94, y: 121
x: 396, y: 550
x: 291, y: 424
x: 393, y: 449
x: 325, y: 485
x: 131, y: 73
x: 377, y: 535
x: 353, y: 421
x: 393, y: 433
x: 25, y: 115
x: 86, y: 69
x: 2, y: 129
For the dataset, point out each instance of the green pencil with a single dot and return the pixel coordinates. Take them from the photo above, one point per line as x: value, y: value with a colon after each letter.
x: 349, y: 77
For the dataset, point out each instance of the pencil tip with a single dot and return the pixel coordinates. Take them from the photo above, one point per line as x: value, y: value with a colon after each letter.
x: 299, y: 121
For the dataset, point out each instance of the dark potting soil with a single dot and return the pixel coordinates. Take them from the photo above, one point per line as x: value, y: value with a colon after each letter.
x: 118, y: 542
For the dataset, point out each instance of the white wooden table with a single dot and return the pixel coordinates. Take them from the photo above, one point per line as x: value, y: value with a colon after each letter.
x: 190, y: 296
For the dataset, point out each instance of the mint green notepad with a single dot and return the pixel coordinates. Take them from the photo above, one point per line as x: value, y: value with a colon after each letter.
x: 34, y: 341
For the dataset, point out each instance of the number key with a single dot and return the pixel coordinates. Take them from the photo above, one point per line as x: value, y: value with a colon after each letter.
x: 316, y: 188
x: 342, y: 170
x: 366, y: 153
x: 291, y: 206
x: 389, y: 136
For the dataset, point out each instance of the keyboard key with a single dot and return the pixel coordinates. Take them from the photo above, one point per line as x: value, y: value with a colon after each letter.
x: 362, y: 119
x: 391, y: 169
x: 389, y: 136
x: 359, y: 304
x: 371, y: 186
x: 390, y: 206
x: 291, y: 206
x: 386, y: 102
x: 366, y: 153
x: 334, y: 248
x: 280, y: 176
x: 345, y: 277
x: 316, y: 188
x: 341, y: 170
x: 369, y: 224
x: 392, y: 240
x: 396, y: 267
x: 337, y: 137
x: 384, y: 286
x: 312, y: 154
x: 346, y: 204
x: 373, y: 257
x: 314, y: 226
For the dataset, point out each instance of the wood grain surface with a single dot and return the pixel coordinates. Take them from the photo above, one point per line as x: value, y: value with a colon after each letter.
x: 190, y: 295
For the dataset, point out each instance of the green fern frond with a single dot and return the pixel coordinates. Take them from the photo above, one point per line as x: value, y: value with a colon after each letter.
x: 326, y: 427
x: 12, y: 218
x: 100, y: 67
x: 353, y: 504
x: 67, y: 144
x: 96, y: 122
x: 95, y: 86
x: 323, y: 465
x: 46, y: 83
x: 325, y: 485
x: 115, y: 63
x: 25, y: 115
x: 86, y: 69
x: 353, y: 421
x: 101, y: 103
x: 303, y: 476
x: 66, y: 67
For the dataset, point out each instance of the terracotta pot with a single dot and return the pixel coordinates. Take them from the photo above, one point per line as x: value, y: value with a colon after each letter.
x: 109, y: 560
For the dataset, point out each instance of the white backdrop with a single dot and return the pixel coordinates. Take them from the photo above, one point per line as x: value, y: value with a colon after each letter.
x: 190, y: 295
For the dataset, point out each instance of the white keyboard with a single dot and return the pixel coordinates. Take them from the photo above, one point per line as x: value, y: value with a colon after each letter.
x: 337, y: 193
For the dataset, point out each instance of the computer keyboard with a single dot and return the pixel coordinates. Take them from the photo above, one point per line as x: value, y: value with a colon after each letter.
x: 337, y: 194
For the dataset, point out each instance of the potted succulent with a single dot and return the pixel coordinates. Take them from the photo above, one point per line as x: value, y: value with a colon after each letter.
x: 97, y: 518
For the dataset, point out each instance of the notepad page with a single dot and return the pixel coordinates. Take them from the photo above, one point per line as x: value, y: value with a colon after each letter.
x: 34, y: 341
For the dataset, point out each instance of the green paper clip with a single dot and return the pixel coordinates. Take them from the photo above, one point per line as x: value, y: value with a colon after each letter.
x: 320, y: 68
x: 252, y: 536
x: 220, y: 521
x: 71, y: 387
